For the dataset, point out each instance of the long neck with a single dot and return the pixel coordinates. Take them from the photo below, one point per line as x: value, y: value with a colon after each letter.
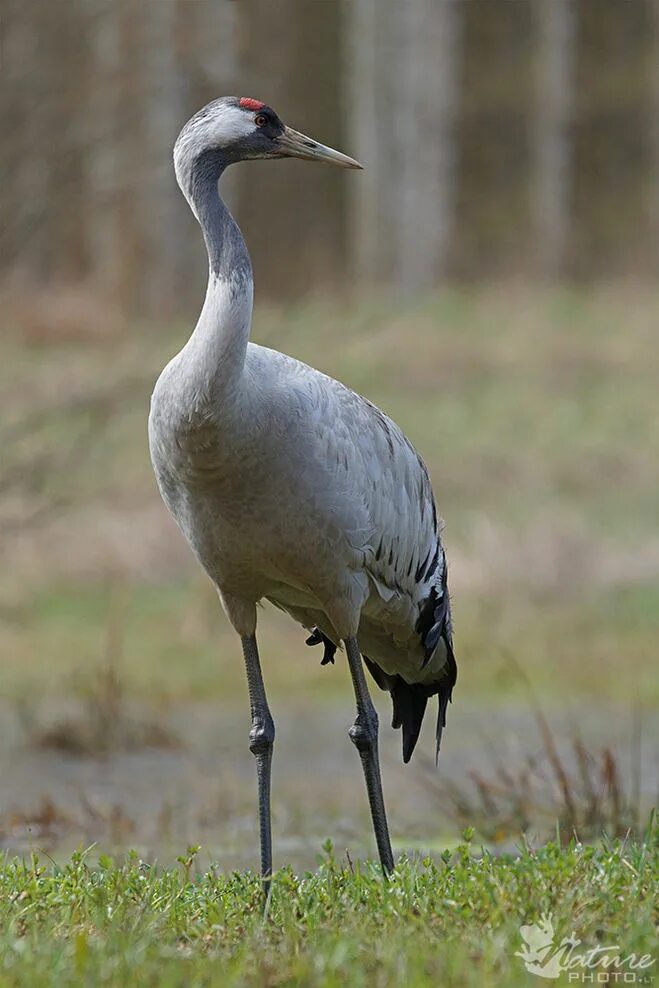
x: 216, y: 349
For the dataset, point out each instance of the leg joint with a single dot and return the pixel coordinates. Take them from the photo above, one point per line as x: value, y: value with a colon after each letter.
x: 364, y: 732
x: 262, y: 735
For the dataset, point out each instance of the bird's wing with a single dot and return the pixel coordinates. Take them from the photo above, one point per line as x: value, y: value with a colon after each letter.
x: 376, y: 492
x: 401, y: 552
x: 377, y: 487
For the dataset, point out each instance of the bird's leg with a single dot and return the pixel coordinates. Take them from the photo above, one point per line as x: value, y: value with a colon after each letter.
x: 261, y: 741
x: 364, y: 735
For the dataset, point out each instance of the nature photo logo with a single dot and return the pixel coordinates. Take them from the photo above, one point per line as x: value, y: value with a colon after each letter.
x: 544, y: 955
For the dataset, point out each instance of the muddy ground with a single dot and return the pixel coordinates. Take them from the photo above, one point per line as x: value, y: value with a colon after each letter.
x: 197, y: 786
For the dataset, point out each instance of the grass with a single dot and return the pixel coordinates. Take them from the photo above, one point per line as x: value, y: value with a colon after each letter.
x: 450, y: 921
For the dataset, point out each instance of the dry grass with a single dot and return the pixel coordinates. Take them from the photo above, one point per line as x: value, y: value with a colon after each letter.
x: 49, y: 824
x: 563, y: 788
x: 106, y: 721
x: 59, y: 313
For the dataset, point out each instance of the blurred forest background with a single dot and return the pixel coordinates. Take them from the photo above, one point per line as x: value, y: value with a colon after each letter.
x: 501, y: 137
x: 489, y: 280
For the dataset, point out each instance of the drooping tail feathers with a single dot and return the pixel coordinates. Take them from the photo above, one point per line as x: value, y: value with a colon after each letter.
x: 409, y: 699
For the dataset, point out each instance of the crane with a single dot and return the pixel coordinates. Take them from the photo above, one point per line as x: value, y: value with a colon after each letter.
x: 291, y: 488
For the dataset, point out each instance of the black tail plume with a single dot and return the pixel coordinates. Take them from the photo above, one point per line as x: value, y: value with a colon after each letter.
x: 409, y: 708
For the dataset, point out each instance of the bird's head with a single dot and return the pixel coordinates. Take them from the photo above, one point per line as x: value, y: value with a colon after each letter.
x: 236, y: 129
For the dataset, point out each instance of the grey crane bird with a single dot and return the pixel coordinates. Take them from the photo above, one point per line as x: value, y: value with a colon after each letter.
x: 291, y: 488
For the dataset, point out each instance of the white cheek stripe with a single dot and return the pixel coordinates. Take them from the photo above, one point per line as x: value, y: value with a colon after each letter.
x: 231, y: 124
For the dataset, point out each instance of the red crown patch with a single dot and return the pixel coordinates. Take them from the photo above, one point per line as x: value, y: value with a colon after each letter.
x: 251, y: 104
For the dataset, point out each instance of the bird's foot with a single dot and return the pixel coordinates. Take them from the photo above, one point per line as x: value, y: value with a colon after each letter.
x: 316, y: 638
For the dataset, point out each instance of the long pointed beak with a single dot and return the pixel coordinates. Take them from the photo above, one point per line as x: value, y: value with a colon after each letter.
x: 295, y: 145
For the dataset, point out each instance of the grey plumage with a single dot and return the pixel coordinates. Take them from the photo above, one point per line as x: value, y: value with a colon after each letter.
x: 288, y: 486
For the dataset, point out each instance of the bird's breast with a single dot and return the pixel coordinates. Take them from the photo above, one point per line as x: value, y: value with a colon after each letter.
x: 253, y: 527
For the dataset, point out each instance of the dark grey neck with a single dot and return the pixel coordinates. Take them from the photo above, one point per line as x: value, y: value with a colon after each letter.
x: 215, y: 353
x: 227, y: 252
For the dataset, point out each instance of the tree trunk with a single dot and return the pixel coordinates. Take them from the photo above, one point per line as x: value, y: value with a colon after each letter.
x: 424, y: 106
x: 552, y: 144
x: 403, y: 94
x: 103, y: 130
x: 164, y: 114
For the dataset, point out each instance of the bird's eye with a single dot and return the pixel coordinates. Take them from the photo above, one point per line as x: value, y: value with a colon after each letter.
x: 260, y: 120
